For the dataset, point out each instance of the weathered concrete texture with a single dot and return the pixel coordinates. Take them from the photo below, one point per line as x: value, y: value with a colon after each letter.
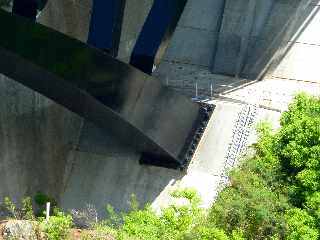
x: 71, y: 17
x: 112, y: 175
x: 36, y: 134
x: 273, y: 93
x: 35, y: 138
x: 196, y: 34
x: 39, y: 144
x: 190, y: 55
x: 135, y: 14
x: 252, y: 32
x: 282, y: 39
x: 103, y: 171
x: 113, y: 178
x: 301, y: 56
x: 300, y: 63
x: 185, y: 77
x: 272, y: 45
x: 209, y: 157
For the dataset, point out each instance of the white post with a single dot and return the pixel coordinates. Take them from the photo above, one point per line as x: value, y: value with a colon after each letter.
x: 47, y: 211
x: 211, y: 90
x: 196, y: 89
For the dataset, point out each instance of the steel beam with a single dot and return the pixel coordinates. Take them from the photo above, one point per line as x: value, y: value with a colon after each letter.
x: 28, y: 8
x: 130, y: 104
x: 156, y: 34
x: 25, y: 8
x: 105, y: 25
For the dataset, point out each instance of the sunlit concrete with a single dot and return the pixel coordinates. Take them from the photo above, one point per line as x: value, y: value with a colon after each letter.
x: 45, y: 147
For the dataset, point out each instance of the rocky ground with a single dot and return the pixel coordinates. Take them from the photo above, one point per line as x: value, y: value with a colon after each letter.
x: 28, y: 230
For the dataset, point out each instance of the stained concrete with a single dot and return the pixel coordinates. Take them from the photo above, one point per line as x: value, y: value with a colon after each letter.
x: 36, y: 136
x: 135, y: 14
x: 45, y: 147
x: 112, y: 176
x: 71, y: 17
x: 279, y: 31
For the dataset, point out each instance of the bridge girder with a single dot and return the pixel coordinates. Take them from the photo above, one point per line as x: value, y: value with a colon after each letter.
x: 130, y: 104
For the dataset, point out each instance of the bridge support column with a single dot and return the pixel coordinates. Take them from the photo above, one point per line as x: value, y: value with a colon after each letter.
x: 156, y: 34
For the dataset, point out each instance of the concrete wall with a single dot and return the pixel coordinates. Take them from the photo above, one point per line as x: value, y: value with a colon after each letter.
x: 302, y: 54
x: 103, y: 171
x: 134, y: 17
x: 36, y: 136
x: 73, y: 19
x: 251, y: 32
x: 45, y: 147
x: 254, y: 37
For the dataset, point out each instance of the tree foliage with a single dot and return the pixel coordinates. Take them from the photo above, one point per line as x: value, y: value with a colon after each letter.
x: 273, y: 195
x: 276, y: 193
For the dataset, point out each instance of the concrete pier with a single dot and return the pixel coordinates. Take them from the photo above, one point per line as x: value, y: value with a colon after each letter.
x: 45, y: 147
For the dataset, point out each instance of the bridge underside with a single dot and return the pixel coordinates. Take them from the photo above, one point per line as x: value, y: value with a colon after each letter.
x: 130, y: 104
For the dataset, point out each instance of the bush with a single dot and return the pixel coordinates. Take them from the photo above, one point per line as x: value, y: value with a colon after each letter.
x: 41, y: 200
x: 283, y: 176
x: 9, y: 210
x: 85, y: 218
x: 27, y: 209
x: 250, y: 206
x: 275, y: 194
x: 301, y: 225
x: 175, y: 222
x: 57, y: 228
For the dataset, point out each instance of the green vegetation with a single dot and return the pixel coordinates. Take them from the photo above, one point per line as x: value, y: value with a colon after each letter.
x: 274, y: 194
x: 41, y: 199
x: 8, y: 209
x: 57, y: 228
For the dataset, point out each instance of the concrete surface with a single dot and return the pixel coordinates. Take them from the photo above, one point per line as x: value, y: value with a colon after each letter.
x: 45, y: 147
x: 282, y: 32
x: 71, y: 17
x: 112, y: 178
x: 36, y: 136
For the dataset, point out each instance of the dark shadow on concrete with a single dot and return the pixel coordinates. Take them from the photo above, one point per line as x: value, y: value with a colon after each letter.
x: 104, y: 171
x: 248, y: 49
x: 41, y: 150
x: 36, y: 137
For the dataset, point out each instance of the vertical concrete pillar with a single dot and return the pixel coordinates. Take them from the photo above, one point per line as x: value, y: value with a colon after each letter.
x: 245, y: 36
x: 156, y: 34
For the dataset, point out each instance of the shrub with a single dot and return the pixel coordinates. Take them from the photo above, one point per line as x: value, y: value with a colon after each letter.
x: 9, y: 210
x: 283, y: 172
x: 85, y: 218
x: 57, y: 228
x: 41, y: 200
x: 174, y: 222
x: 27, y: 209
x: 301, y: 225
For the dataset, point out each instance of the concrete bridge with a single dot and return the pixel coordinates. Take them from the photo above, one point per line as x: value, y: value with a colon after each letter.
x: 219, y: 49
